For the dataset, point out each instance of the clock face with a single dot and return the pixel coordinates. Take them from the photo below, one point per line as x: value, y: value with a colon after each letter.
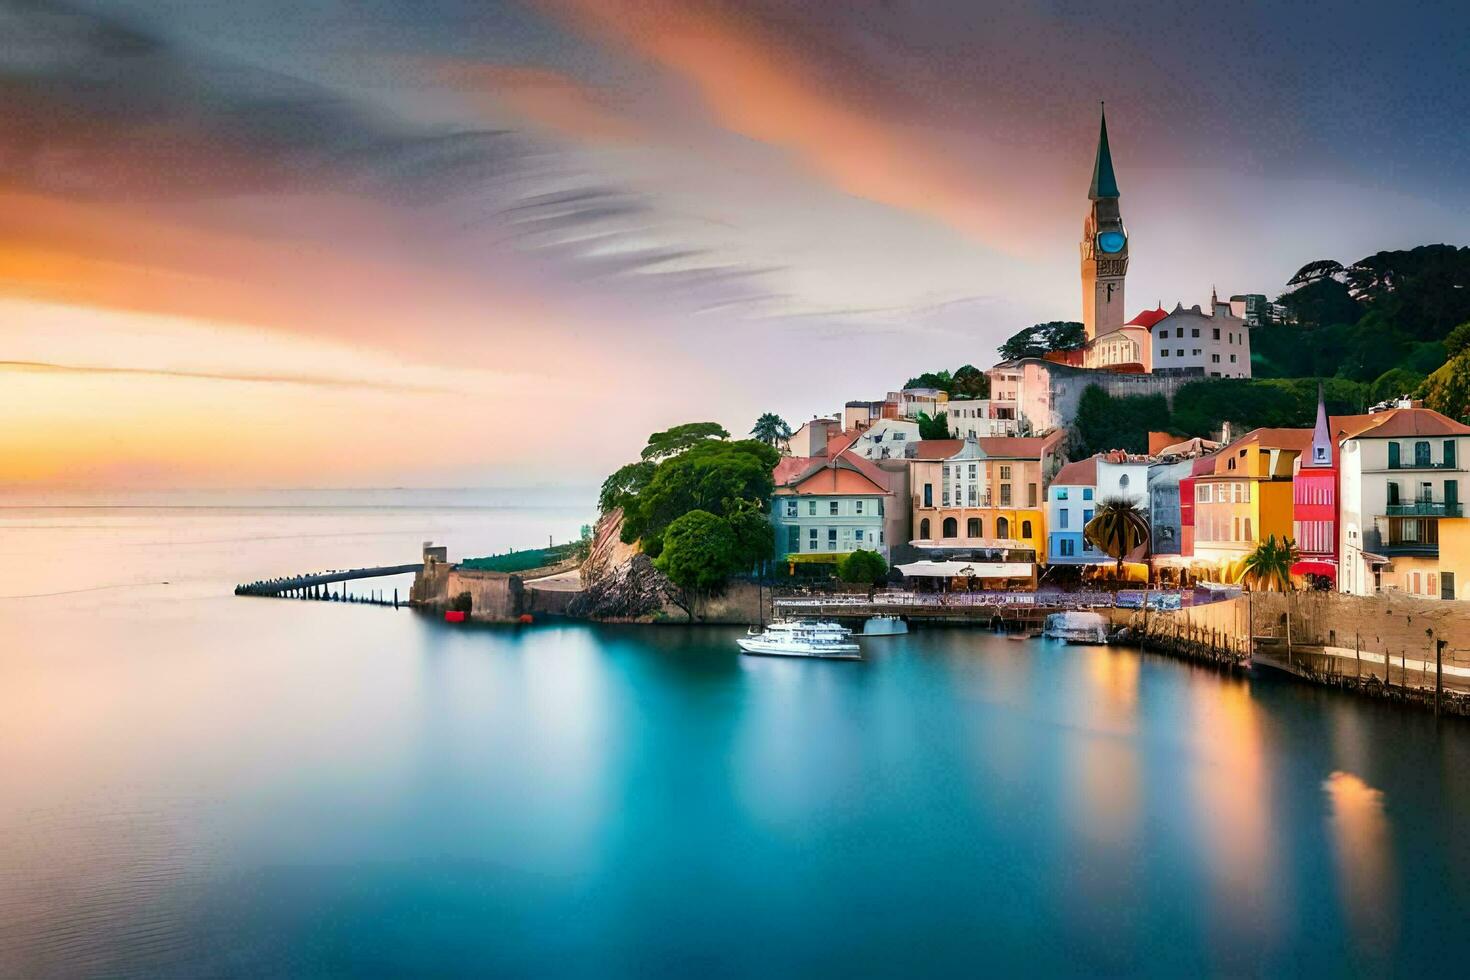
x: 1111, y: 241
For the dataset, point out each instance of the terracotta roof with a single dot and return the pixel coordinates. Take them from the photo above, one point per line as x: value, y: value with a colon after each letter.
x: 1401, y: 422
x: 789, y: 468
x: 1082, y: 473
x: 829, y: 473
x: 842, y: 441
x: 1013, y: 447
x: 1148, y: 318
x: 936, y: 448
x: 1292, y: 439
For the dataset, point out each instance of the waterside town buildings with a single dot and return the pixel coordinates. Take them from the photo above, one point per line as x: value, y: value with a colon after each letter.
x: 1373, y: 502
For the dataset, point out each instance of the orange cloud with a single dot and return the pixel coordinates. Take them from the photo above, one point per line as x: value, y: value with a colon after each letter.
x: 759, y: 87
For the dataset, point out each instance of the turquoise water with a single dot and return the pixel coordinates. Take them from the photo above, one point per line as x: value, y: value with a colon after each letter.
x: 203, y: 785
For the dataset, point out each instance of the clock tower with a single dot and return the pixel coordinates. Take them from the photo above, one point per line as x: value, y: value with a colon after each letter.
x: 1104, y: 247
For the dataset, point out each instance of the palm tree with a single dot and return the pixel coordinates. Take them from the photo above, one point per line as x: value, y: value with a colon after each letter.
x: 1118, y: 528
x: 771, y: 429
x: 1268, y: 568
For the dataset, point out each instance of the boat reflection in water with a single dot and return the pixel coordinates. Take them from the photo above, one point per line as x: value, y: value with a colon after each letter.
x: 1077, y: 626
x: 796, y: 638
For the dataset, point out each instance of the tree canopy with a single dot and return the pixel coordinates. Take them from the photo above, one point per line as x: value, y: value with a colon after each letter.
x: 1447, y: 390
x: 933, y: 427
x: 712, y: 475
x: 1268, y: 567
x: 771, y: 429
x: 1117, y: 528
x: 671, y: 442
x: 699, y: 554
x: 967, y: 381
x: 1043, y: 338
x: 862, y: 566
x: 1104, y: 422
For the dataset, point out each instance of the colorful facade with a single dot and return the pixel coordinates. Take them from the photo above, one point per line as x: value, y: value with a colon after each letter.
x: 982, y: 493
x: 1315, y: 503
x: 1246, y: 497
x: 833, y: 506
x: 1071, y: 500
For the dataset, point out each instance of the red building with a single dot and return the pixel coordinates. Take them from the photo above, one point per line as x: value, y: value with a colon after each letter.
x: 1314, y: 510
x: 1203, y: 466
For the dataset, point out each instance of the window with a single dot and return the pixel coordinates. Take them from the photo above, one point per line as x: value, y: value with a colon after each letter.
x: 1214, y: 358
x: 1164, y: 352
x: 1025, y: 529
x: 972, y: 494
x: 1062, y: 516
x: 898, y: 436
x: 928, y: 497
x: 1179, y: 352
x: 811, y: 508
x: 790, y: 508
x: 1449, y: 454
x: 1060, y: 494
x: 1217, y: 333
x: 1232, y: 358
x: 972, y: 471
x: 1202, y: 493
x: 857, y: 506
x: 946, y: 473
x: 1393, y: 491
x: 1005, y: 472
x: 812, y: 540
x: 1248, y: 535
x: 1002, y: 528
x: 831, y: 539
x: 972, y: 528
x: 1194, y: 333
x: 1087, y: 493
x: 1447, y: 584
x: 923, y: 530
x: 1421, y: 454
x: 951, y: 527
x: 793, y: 539
x: 1123, y: 481
x: 1197, y: 352
x: 1393, y: 455
x: 858, y: 534
x: 1005, y: 495
x: 831, y: 508
x: 1067, y: 547
x: 1030, y: 495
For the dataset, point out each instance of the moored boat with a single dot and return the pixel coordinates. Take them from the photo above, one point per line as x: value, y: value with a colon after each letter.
x: 823, y: 640
x: 885, y: 626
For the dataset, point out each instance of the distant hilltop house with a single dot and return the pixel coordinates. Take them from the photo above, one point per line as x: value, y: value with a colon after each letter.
x: 1153, y: 353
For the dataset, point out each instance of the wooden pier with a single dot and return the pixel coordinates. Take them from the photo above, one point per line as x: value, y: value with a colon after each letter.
x: 318, y: 585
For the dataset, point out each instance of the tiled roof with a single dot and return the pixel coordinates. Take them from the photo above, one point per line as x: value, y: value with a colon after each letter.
x: 1148, y: 318
x: 1402, y: 422
x: 1292, y: 439
x: 789, y: 468
x: 1082, y: 473
x: 936, y: 448
x: 1013, y: 447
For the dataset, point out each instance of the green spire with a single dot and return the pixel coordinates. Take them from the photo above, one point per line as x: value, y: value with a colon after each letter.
x: 1104, y: 184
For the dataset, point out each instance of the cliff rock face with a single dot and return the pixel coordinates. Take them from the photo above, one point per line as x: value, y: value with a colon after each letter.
x: 619, y: 581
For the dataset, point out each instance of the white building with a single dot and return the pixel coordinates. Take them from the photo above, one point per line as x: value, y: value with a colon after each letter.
x: 974, y: 417
x: 885, y: 439
x: 1122, y: 476
x: 1402, y: 477
x: 1190, y: 341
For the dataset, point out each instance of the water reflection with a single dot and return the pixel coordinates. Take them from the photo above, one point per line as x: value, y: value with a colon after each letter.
x: 1232, y: 807
x: 1360, y: 839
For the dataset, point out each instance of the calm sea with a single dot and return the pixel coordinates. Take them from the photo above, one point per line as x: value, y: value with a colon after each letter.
x: 196, y: 785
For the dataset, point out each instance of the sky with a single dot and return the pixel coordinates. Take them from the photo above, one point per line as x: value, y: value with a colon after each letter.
x: 450, y: 243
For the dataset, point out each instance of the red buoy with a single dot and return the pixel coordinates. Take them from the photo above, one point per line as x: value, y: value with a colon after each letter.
x: 526, y: 619
x: 453, y: 616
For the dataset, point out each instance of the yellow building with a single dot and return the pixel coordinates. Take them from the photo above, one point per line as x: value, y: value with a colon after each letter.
x: 1247, y: 497
x: 1454, y: 558
x: 980, y: 493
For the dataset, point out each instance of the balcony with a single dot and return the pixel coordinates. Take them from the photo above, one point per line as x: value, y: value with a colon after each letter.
x: 1374, y: 541
x: 1424, y: 508
x: 1409, y: 464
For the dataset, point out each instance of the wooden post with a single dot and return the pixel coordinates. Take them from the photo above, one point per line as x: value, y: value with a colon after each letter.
x: 1358, y: 656
x: 1288, y: 632
x: 1438, y: 673
x: 395, y: 598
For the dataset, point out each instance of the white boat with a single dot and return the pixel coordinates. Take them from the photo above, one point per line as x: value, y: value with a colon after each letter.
x: 1076, y: 626
x: 800, y: 639
x: 885, y: 626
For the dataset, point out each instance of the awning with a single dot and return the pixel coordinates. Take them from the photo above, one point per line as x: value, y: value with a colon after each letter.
x: 1315, y: 566
x: 1373, y: 559
x: 966, y: 569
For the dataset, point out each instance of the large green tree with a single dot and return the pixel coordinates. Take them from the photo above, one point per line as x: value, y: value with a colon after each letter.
x: 700, y: 552
x: 1042, y: 338
x: 625, y: 484
x: 711, y: 475
x: 1268, y: 567
x: 933, y: 427
x: 864, y: 567
x: 1447, y: 390
x: 1117, y: 528
x: 1104, y: 422
x: 671, y: 442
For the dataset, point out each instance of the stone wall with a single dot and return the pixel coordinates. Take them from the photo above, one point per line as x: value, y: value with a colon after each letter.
x: 1381, y: 624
